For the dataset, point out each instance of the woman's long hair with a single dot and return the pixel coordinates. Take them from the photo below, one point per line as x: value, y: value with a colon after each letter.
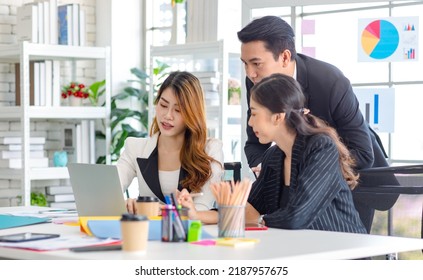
x: 282, y: 94
x: 194, y: 159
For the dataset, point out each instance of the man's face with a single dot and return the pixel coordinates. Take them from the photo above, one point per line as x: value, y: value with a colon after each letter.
x: 259, y: 62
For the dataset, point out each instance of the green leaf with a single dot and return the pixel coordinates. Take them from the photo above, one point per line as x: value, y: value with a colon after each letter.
x: 142, y: 75
x: 38, y: 199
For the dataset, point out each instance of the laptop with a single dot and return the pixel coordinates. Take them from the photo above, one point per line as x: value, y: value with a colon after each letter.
x: 97, y: 189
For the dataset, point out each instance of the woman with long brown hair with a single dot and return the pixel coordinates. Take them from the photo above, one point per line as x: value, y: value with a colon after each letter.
x: 177, y: 155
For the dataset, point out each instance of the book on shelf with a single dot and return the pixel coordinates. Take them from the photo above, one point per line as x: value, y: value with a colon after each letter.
x: 16, y: 163
x: 56, y: 88
x: 42, y: 83
x: 18, y: 147
x: 37, y: 83
x: 4, y: 154
x: 85, y: 142
x: 18, y: 83
x: 78, y: 142
x: 53, y: 22
x: 64, y: 205
x: 82, y: 39
x: 60, y: 197
x: 64, y: 13
x: 46, y: 21
x: 48, y: 81
x: 41, y: 39
x: 27, y: 23
x: 18, y: 140
x: 44, y: 79
x: 75, y: 24
x: 59, y: 190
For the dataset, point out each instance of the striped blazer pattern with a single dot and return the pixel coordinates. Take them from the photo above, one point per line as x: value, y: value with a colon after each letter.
x: 319, y: 197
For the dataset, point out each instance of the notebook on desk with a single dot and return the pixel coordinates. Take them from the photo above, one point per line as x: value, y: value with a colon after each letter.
x: 97, y: 189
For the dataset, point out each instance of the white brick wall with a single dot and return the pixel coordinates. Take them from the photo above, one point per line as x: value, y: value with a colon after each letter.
x: 11, y: 189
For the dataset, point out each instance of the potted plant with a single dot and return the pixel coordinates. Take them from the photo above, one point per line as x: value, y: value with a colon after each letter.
x: 75, y: 92
x: 37, y: 199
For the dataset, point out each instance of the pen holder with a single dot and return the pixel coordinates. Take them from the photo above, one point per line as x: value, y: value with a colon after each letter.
x: 231, y: 221
x: 173, y: 229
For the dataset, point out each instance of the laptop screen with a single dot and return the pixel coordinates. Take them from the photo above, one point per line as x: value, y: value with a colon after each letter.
x: 97, y: 189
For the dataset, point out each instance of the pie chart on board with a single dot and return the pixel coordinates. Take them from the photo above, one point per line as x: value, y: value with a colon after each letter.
x: 380, y: 39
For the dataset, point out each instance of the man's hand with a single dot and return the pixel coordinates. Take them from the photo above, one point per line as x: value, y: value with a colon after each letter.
x: 256, y: 170
x: 251, y: 214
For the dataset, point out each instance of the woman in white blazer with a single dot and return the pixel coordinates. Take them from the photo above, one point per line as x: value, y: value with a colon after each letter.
x: 177, y: 155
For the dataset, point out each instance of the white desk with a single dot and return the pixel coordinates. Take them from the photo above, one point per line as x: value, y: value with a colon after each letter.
x: 274, y: 244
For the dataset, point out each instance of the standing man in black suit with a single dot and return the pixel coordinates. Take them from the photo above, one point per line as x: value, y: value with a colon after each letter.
x: 268, y: 46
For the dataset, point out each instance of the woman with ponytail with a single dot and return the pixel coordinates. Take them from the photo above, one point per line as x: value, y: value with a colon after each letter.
x: 306, y: 178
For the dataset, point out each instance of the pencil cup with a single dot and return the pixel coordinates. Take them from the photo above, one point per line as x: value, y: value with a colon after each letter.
x: 231, y: 221
x: 134, y: 233
x: 173, y: 229
x: 147, y: 206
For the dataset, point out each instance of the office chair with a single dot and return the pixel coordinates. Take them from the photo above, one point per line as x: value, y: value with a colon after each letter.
x: 235, y: 170
x: 379, y: 175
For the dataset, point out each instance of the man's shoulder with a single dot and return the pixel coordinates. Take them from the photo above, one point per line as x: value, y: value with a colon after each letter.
x: 314, y: 63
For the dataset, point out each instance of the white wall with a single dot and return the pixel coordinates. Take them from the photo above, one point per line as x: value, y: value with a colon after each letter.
x: 119, y: 26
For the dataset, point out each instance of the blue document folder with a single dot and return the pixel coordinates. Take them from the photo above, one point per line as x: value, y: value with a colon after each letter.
x: 9, y: 221
x: 111, y: 229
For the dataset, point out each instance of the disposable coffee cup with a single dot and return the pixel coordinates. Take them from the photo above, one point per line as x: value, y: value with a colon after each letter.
x: 134, y: 230
x: 147, y: 206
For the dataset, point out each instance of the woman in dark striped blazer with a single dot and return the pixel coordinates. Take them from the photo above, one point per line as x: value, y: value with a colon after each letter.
x: 306, y: 178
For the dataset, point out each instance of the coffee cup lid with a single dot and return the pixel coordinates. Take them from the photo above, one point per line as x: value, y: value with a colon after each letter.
x: 132, y: 217
x: 147, y: 199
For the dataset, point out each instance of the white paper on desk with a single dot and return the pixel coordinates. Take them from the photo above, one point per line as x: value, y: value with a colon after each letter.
x: 45, y: 213
x: 59, y: 243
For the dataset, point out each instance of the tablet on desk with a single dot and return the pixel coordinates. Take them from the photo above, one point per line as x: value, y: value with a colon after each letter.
x: 26, y: 236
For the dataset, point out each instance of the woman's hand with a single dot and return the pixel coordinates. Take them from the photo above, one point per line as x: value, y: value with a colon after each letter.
x: 131, y: 205
x: 186, y: 201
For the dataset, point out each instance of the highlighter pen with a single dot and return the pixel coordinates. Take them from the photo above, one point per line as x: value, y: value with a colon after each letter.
x: 179, y: 228
x: 169, y: 222
x: 165, y: 225
x: 177, y: 222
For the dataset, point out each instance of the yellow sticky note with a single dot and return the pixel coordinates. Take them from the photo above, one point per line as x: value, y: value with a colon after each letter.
x: 83, y: 222
x: 236, y: 242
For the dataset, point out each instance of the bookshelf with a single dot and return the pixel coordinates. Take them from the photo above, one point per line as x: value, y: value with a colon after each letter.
x: 24, y: 53
x: 214, y: 63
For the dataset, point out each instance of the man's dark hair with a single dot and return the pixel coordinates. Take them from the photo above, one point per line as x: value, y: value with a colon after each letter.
x: 276, y: 34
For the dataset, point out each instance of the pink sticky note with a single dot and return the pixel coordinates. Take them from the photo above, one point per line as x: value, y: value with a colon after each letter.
x: 308, y: 26
x: 206, y: 242
x: 310, y: 51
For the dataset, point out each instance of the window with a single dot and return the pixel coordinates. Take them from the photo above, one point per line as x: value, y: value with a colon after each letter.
x: 335, y: 40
